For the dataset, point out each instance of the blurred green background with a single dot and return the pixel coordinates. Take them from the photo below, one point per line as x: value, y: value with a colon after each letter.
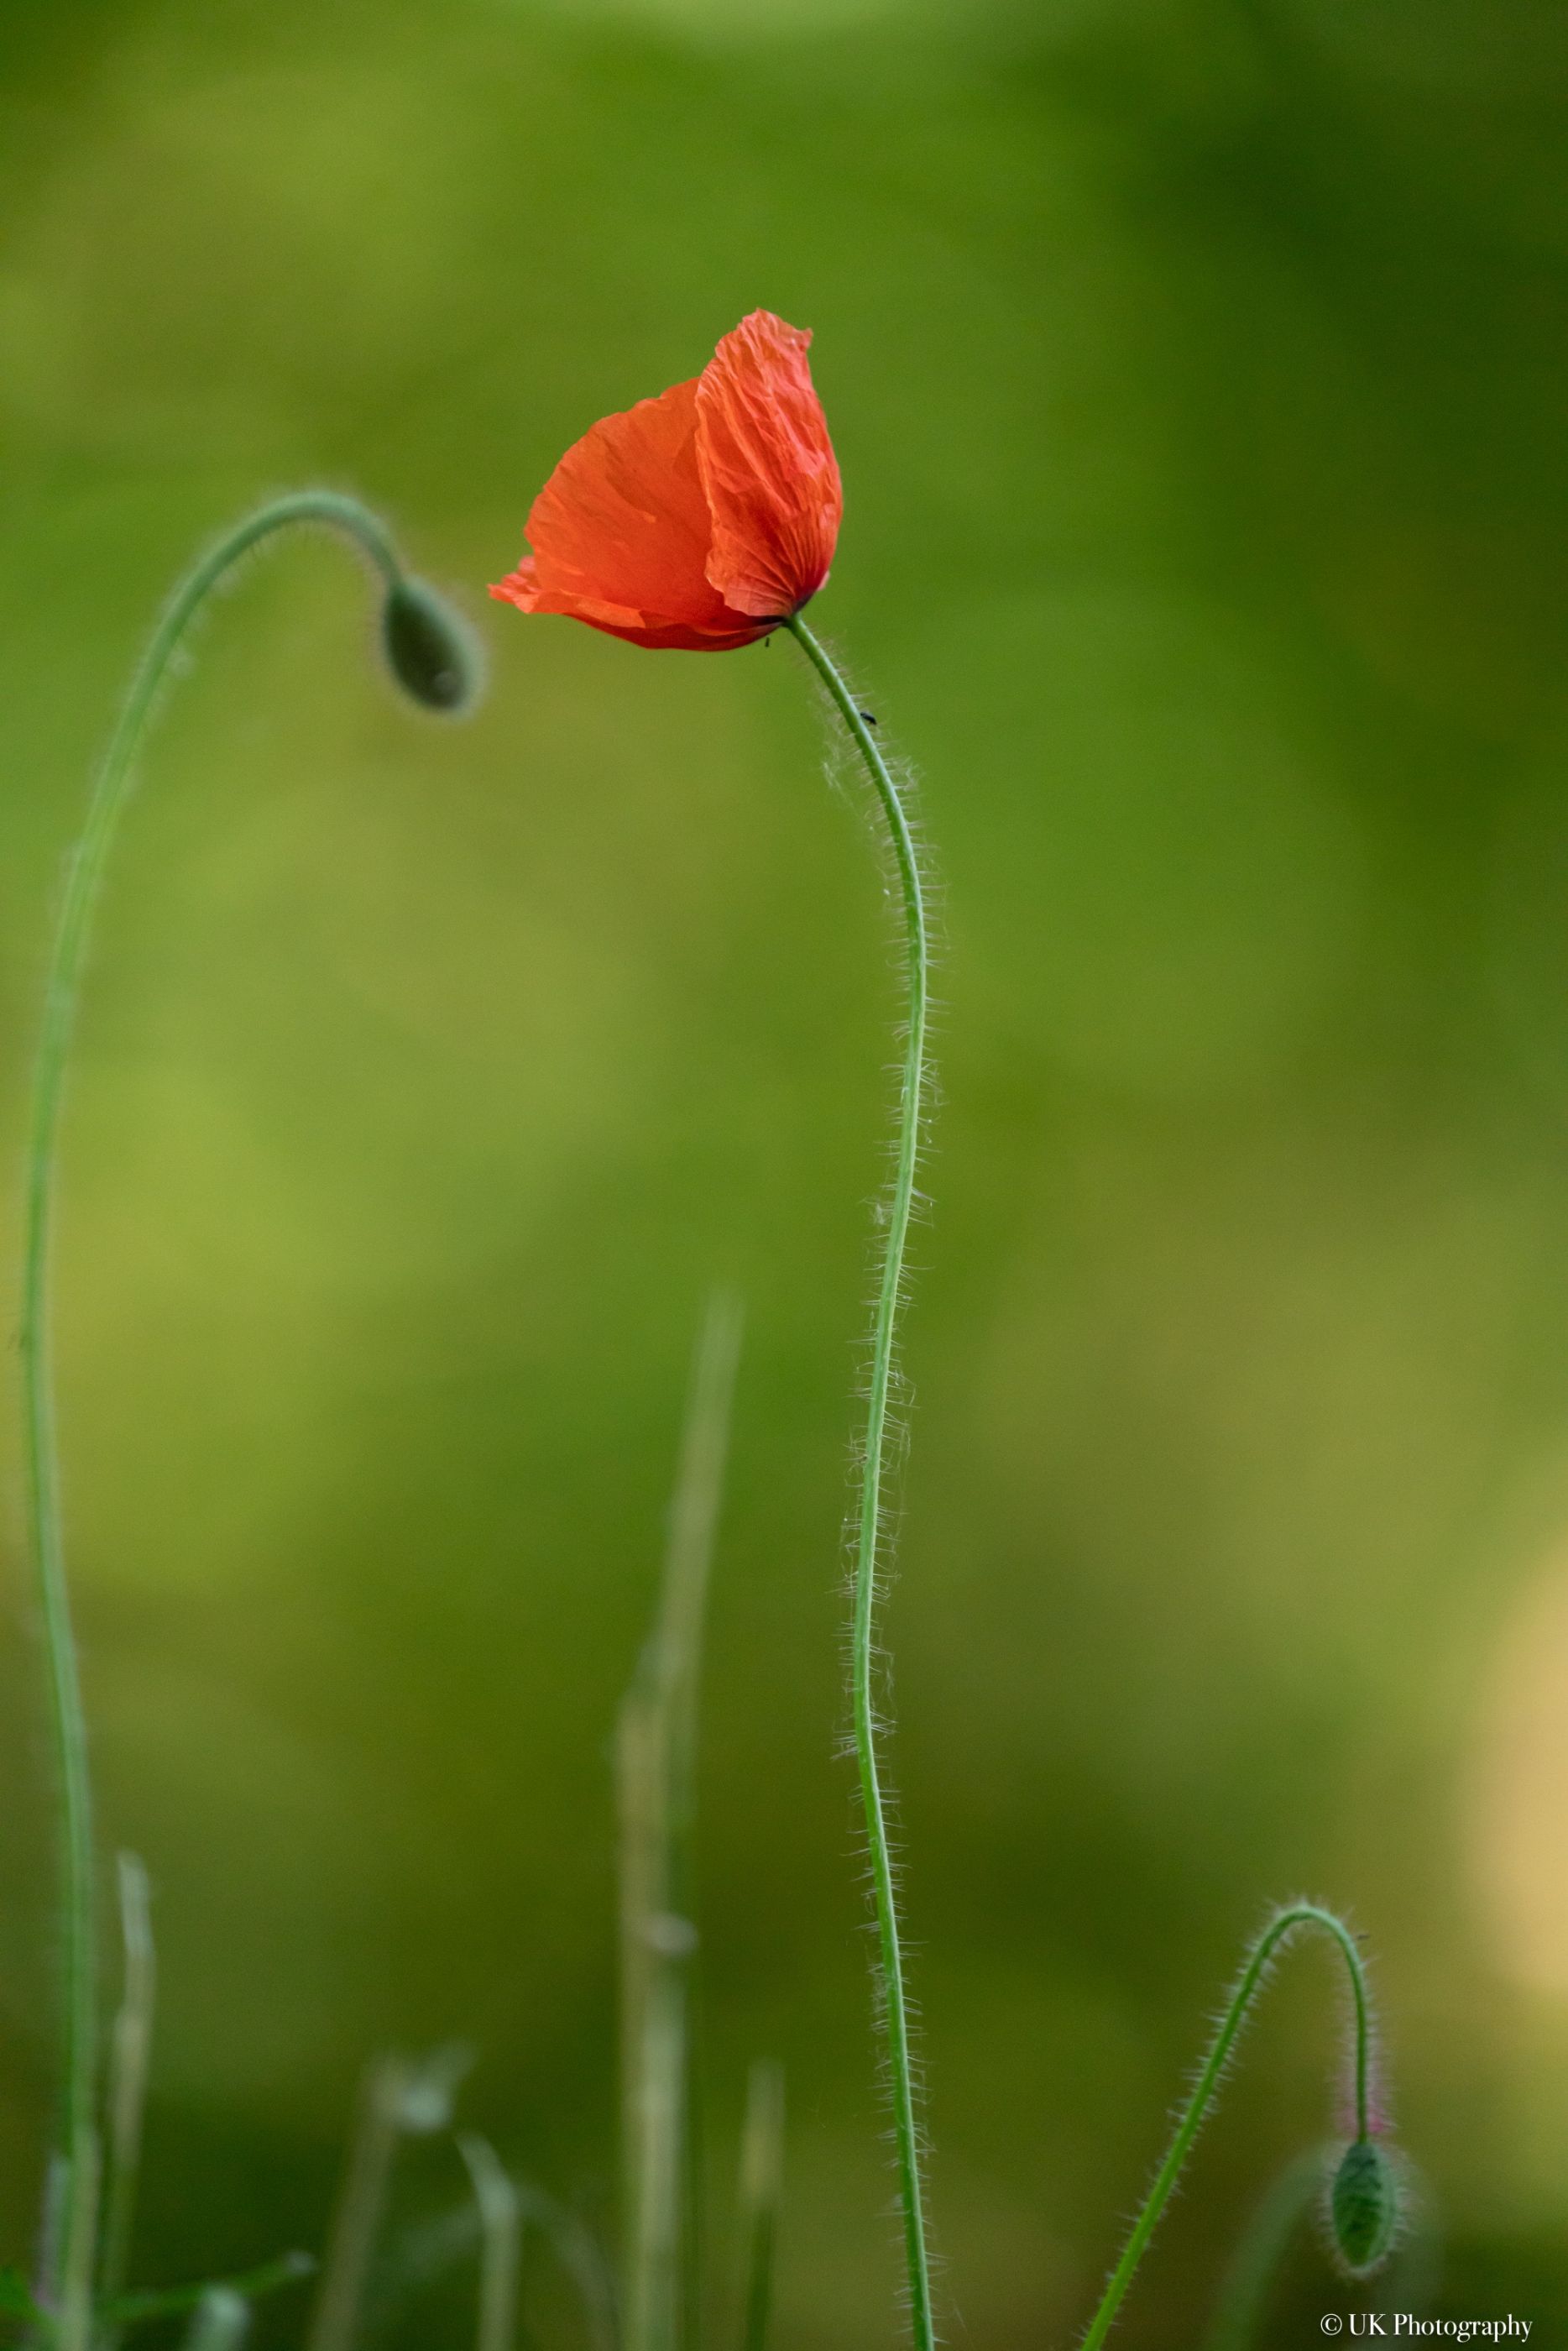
x: 1197, y: 369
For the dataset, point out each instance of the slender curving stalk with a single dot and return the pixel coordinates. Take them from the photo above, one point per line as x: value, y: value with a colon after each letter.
x: 1243, y: 2295
x: 432, y: 663
x: 870, y: 1538
x: 582, y: 2259
x: 500, y: 2244
x: 1297, y: 1919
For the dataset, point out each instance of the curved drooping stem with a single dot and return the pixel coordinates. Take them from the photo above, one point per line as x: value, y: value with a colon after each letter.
x: 1298, y: 1917
x: 427, y: 657
x: 871, y: 1511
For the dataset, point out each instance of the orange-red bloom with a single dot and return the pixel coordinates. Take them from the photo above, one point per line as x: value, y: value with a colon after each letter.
x: 701, y: 519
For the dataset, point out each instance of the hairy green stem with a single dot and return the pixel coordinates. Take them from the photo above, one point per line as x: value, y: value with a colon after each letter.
x: 869, y: 1529
x: 72, y: 2283
x: 1297, y: 1919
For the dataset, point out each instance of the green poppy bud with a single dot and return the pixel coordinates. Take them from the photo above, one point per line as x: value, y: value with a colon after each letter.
x: 1364, y: 2207
x: 430, y: 650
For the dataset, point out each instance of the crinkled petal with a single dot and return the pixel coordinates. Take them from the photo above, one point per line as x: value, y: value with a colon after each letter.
x: 768, y: 467
x: 659, y: 631
x: 620, y: 533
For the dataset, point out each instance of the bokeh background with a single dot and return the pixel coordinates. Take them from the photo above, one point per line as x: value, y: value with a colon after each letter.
x: 1197, y: 372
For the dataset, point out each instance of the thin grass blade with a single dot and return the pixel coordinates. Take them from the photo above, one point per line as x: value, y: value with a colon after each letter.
x: 761, y: 2196
x: 130, y: 2051
x: 583, y: 2259
x: 500, y: 2245
x: 167, y: 2302
x: 400, y: 2098
x: 1244, y: 2290
x: 655, y: 1756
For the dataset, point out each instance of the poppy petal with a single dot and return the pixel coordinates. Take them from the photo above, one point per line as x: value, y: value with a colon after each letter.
x: 621, y: 532
x: 768, y: 467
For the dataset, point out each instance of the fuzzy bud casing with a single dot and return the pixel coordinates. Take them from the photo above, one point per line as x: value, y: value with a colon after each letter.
x: 430, y: 650
x: 1364, y: 2207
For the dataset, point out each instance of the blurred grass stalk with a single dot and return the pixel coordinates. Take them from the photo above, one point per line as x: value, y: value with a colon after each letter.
x: 500, y: 2244
x: 761, y: 2191
x: 582, y: 2260
x: 130, y: 2053
x: 400, y: 2098
x: 1261, y: 2249
x: 1294, y: 2194
x: 221, y: 2322
x: 655, y: 1772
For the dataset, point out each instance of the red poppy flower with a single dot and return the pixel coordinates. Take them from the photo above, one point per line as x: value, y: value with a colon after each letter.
x: 701, y: 519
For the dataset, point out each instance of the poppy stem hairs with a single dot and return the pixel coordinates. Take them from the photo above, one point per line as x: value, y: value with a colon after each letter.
x: 698, y: 522
x: 1364, y: 2200
x: 868, y: 1534
x: 430, y: 658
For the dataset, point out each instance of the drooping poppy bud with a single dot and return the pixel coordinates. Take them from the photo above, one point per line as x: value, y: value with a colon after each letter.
x: 1364, y: 2207
x: 698, y: 521
x: 430, y: 650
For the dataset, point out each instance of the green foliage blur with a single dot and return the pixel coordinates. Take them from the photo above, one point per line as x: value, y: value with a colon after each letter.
x: 1197, y: 370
